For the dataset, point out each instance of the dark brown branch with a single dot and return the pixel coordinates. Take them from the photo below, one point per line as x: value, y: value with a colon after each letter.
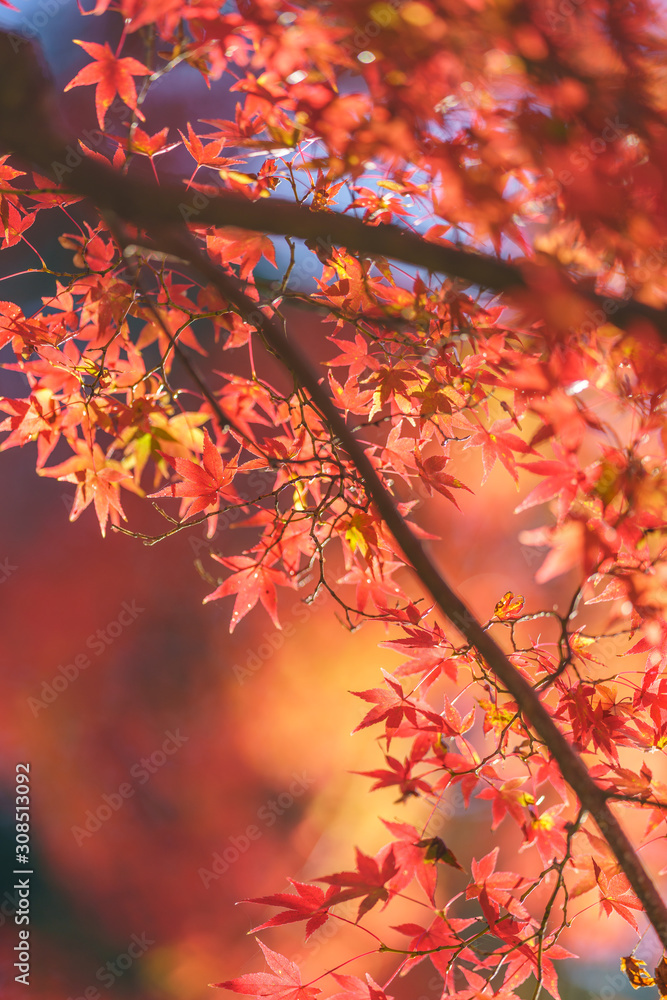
x: 592, y: 798
x: 31, y: 126
x: 27, y: 115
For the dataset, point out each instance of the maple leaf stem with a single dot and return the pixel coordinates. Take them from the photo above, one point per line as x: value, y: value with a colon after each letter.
x: 341, y: 965
x: 361, y: 927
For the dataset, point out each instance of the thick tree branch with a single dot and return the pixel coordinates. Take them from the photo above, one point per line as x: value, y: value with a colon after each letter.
x: 27, y: 115
x: 31, y: 126
x: 573, y: 769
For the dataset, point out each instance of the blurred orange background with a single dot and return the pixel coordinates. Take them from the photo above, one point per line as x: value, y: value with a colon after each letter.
x: 245, y: 718
x: 134, y: 895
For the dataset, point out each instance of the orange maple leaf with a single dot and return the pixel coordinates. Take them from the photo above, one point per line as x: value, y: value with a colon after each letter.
x: 251, y: 582
x: 202, y: 485
x: 111, y: 76
x: 97, y: 480
x: 237, y: 246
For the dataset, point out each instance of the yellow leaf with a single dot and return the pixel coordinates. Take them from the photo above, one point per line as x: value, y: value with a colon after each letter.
x: 660, y: 973
x: 637, y: 975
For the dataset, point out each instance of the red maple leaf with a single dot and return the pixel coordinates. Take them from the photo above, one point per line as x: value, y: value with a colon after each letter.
x: 616, y: 893
x: 442, y: 936
x: 97, y: 481
x: 350, y: 397
x: 398, y: 774
x: 237, y: 246
x: 525, y: 958
x: 509, y: 797
x: 497, y: 443
x: 355, y: 988
x: 202, y: 485
x: 15, y: 224
x: 354, y: 355
x: 111, y: 76
x: 309, y: 903
x: 417, y: 858
x: 251, y: 582
x: 369, y: 880
x: 283, y: 983
x: 563, y: 477
x: 547, y: 833
x: 372, y: 585
x: 653, y: 642
x: 205, y: 156
x: 430, y: 655
x: 146, y: 145
x: 392, y: 706
x: 434, y: 478
x: 494, y: 889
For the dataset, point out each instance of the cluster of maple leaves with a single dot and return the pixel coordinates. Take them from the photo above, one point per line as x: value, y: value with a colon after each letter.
x: 511, y: 128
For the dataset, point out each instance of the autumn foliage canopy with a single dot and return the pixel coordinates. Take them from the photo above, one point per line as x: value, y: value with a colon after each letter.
x: 469, y: 197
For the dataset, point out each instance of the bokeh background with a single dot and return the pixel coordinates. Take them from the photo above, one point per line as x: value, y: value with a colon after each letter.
x: 212, y: 733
